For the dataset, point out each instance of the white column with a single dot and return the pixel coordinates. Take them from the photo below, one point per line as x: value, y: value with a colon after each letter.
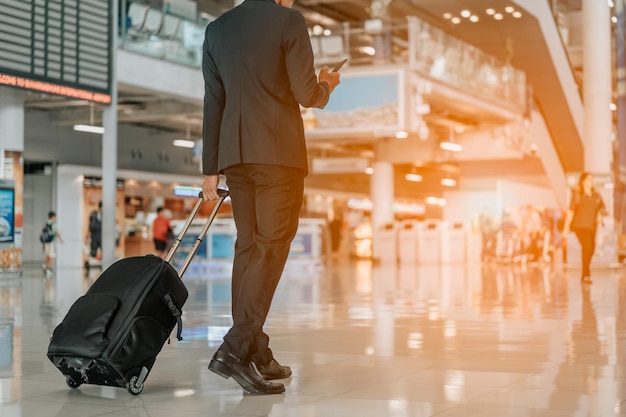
x: 11, y: 120
x: 597, y: 126
x: 382, y: 192
x: 109, y: 159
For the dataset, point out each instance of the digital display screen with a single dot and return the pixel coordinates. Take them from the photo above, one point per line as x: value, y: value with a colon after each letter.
x: 58, y: 47
x: 7, y: 214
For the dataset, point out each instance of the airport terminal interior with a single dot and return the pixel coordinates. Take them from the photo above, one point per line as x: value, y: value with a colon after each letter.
x: 430, y: 275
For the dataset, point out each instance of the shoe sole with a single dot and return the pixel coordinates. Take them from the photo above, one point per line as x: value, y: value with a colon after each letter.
x: 226, y: 372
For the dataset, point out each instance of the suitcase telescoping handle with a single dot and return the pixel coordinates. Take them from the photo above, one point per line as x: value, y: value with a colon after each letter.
x: 170, y: 255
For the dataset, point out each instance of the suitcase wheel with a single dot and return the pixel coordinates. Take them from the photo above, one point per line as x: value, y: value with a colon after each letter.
x: 71, y: 383
x: 134, y: 386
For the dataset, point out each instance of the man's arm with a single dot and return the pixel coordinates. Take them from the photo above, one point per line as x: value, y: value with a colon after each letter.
x: 307, y: 89
x: 214, y: 101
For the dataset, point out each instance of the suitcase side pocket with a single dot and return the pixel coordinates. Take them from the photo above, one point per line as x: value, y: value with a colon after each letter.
x: 83, y: 331
x: 139, y: 346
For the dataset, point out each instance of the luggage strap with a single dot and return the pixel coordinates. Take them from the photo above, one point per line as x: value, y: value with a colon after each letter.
x: 167, y: 298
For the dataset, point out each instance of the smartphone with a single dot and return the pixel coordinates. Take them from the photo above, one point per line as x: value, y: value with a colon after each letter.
x: 339, y: 65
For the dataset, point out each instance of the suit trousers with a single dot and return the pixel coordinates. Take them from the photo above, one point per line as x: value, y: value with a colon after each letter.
x: 266, y: 202
x: 587, y: 239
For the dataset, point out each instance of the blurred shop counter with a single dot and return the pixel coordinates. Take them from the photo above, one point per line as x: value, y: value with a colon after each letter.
x: 137, y: 245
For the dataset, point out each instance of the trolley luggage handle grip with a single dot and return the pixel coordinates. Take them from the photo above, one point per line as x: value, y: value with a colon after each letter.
x: 223, y: 194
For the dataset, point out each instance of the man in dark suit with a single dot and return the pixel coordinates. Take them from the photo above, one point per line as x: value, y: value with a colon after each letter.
x: 258, y: 69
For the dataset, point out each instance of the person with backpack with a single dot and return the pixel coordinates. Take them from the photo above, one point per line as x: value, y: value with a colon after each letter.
x: 95, y: 231
x: 48, y: 237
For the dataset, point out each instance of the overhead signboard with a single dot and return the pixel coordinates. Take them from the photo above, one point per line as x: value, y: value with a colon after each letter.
x: 366, y: 103
x: 58, y: 47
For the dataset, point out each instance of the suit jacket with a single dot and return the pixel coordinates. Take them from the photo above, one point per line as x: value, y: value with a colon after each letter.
x: 257, y: 66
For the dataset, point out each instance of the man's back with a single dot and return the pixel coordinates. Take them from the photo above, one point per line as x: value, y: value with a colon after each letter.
x: 258, y: 65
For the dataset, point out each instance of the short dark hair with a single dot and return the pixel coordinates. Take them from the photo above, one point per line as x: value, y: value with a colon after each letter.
x: 159, y: 209
x: 99, y: 204
x: 51, y: 214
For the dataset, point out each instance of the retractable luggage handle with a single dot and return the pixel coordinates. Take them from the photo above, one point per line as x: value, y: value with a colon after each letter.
x: 170, y: 255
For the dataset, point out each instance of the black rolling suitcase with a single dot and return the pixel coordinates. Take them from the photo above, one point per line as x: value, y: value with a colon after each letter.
x: 112, y: 334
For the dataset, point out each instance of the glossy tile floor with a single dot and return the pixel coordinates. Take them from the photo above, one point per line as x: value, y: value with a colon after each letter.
x: 406, y: 341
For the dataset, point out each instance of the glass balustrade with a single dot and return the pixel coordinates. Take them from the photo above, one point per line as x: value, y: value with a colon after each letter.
x: 174, y: 34
x: 177, y: 35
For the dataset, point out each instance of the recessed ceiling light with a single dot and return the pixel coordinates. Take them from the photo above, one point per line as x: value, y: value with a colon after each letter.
x: 456, y: 20
x: 490, y: 12
x: 184, y: 143
x: 498, y: 16
x: 614, y: 19
x: 447, y: 16
x: 413, y: 177
x: 517, y: 15
x: 401, y: 134
x: 451, y: 146
x: 448, y: 182
x: 474, y: 18
x: 509, y: 9
x: 466, y: 13
x: 89, y: 129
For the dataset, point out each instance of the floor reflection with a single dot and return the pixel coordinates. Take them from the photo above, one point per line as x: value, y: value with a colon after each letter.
x: 373, y: 340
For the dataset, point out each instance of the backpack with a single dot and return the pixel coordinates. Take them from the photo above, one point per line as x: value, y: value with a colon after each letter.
x: 46, y: 235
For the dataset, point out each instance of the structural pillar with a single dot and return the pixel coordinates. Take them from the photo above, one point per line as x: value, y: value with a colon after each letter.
x: 382, y: 195
x: 598, y: 121
x: 109, y: 158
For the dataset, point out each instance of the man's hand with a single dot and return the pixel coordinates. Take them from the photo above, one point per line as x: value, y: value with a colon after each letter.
x: 209, y: 188
x: 332, y: 78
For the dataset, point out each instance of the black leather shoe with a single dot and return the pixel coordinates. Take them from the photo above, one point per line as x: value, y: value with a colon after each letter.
x: 274, y: 370
x: 244, y: 372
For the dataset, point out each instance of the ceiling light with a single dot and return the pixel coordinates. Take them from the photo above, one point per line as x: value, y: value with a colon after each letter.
x: 369, y: 170
x: 466, y: 13
x: 517, y: 15
x: 413, y: 177
x: 447, y: 16
x: 401, y: 134
x: 509, y: 9
x: 498, y: 16
x: 451, y: 146
x: 448, y: 182
x: 89, y: 129
x: 456, y: 20
x: 614, y: 19
x: 474, y: 18
x: 328, y: 32
x: 432, y: 200
x: 613, y: 106
x: 318, y: 30
x: 368, y: 50
x: 611, y: 3
x: 490, y: 12
x: 184, y: 143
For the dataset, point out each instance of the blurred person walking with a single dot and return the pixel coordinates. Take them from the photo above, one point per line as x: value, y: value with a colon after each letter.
x: 583, y: 217
x: 49, y: 236
x: 161, y: 228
